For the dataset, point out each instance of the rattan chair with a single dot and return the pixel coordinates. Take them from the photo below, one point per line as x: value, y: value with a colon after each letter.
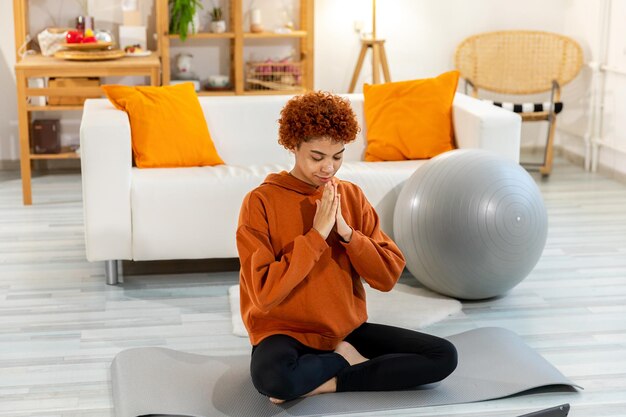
x: 522, y: 62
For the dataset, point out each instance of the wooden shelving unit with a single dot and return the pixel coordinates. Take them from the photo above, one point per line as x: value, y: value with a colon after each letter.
x: 238, y: 37
x: 38, y: 66
x: 156, y: 67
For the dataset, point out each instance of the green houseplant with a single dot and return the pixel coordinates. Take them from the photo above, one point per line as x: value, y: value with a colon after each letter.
x: 218, y: 25
x: 216, y: 14
x: 182, y: 16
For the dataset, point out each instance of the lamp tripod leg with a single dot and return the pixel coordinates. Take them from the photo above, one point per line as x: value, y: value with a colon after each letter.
x: 357, y: 69
x: 375, y: 63
x: 385, y: 64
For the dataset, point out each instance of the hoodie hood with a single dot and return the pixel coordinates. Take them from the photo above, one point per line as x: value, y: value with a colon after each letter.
x: 286, y: 180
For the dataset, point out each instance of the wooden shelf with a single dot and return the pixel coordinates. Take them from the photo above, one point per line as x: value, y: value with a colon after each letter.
x: 272, y: 86
x: 238, y: 39
x: 206, y: 35
x: 270, y: 35
x: 216, y: 93
x: 62, y: 155
x: 271, y: 92
x: 30, y: 107
x: 54, y: 67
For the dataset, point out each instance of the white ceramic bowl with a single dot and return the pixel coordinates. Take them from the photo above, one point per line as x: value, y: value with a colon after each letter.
x: 218, y: 80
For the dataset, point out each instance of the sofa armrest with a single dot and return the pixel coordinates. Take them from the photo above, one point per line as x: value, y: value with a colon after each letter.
x: 478, y: 124
x: 106, y: 163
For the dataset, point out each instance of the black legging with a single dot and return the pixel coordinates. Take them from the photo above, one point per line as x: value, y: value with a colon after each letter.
x: 284, y: 368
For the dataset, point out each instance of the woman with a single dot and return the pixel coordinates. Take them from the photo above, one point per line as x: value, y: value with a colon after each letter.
x: 306, y: 240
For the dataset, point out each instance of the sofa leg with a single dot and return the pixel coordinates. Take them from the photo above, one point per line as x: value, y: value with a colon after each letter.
x: 110, y: 271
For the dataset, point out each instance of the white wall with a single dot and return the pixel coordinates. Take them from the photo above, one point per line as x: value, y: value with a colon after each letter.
x: 421, y: 38
x: 583, y: 20
x: 9, y: 143
x: 421, y: 35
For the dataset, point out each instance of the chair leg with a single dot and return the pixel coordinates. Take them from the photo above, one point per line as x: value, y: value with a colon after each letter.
x: 546, y: 169
x: 555, y: 96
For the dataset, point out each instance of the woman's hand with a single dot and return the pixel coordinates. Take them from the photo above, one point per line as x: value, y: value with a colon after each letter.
x: 326, y: 212
x: 343, y: 229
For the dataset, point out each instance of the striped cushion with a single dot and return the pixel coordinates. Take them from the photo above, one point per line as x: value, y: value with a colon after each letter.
x: 528, y: 107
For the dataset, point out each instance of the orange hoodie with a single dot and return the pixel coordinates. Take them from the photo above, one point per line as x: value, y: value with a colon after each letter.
x: 294, y: 282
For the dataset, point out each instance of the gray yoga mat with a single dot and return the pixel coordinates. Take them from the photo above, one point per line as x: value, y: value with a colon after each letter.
x: 493, y: 363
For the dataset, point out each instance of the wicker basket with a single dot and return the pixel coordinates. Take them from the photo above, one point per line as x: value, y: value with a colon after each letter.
x: 283, y: 75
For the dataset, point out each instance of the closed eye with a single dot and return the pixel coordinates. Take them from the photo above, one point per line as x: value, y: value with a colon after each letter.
x: 336, y: 158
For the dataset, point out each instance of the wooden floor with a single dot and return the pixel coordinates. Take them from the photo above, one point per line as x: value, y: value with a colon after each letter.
x: 60, y: 325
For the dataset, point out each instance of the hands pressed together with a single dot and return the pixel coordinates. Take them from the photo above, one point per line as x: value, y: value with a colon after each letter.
x: 328, y: 213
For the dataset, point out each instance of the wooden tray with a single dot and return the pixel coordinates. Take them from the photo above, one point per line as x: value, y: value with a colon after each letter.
x: 90, y: 55
x: 87, y: 46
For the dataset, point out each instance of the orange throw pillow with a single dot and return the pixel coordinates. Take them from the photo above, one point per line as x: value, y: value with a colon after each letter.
x: 409, y: 119
x: 167, y: 125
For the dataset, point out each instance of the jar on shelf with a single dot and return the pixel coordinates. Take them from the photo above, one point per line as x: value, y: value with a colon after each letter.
x: 256, y: 24
x: 85, y: 22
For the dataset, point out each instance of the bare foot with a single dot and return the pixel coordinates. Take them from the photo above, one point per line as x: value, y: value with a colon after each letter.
x: 349, y: 353
x: 328, y: 386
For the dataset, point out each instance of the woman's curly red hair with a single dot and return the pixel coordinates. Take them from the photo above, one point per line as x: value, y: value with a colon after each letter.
x: 316, y: 114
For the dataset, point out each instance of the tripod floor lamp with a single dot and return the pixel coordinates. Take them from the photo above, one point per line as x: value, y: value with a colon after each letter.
x: 379, y: 57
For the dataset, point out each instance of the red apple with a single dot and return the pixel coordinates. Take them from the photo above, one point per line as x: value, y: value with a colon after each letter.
x: 74, y: 36
x: 90, y: 39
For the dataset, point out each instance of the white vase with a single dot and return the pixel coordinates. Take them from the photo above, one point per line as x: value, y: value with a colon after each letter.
x: 256, y: 25
x: 218, y: 26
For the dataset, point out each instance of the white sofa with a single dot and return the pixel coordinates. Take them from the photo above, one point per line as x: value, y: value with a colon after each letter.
x: 191, y: 213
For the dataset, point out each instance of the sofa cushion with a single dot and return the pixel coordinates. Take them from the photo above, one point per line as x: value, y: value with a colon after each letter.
x: 205, y: 203
x: 410, y: 119
x: 167, y: 124
x: 245, y: 128
x: 381, y: 183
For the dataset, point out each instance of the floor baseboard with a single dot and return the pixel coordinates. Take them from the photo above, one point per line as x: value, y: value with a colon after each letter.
x: 603, y: 169
x: 180, y: 266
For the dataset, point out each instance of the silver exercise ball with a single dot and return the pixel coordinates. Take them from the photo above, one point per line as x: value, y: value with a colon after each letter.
x: 471, y: 224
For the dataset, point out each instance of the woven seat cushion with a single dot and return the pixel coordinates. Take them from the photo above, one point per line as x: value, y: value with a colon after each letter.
x: 528, y: 107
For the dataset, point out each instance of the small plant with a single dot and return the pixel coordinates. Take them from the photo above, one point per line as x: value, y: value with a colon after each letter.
x: 216, y: 14
x: 181, y: 16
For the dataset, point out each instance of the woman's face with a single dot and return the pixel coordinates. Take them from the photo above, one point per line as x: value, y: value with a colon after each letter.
x: 317, y: 160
